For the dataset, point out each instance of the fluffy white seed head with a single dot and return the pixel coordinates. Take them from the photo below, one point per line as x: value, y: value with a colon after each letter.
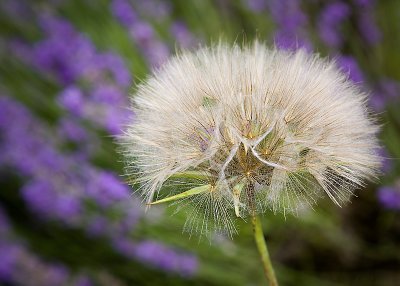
x: 263, y: 128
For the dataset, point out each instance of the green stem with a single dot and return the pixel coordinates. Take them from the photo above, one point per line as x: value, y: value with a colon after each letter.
x: 263, y: 250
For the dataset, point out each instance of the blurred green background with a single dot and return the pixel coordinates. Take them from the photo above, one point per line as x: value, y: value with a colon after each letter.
x: 66, y: 215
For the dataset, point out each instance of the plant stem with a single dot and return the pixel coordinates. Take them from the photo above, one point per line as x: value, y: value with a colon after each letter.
x: 263, y: 250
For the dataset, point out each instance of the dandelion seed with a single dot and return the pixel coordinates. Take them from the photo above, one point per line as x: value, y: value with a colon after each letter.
x: 211, y: 123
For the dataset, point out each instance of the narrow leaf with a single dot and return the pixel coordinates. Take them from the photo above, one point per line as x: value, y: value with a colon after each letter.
x: 190, y: 175
x: 191, y: 192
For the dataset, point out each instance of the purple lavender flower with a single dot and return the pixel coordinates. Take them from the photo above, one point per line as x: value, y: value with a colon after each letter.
x: 58, y: 185
x: 82, y: 280
x: 143, y: 34
x: 156, y: 9
x: 40, y: 196
x: 188, y: 265
x: 105, y: 106
x: 72, y: 100
x: 56, y: 26
x: 106, y: 189
x: 364, y: 3
x: 287, y: 14
x: 18, y: 266
x: 16, y: 9
x: 9, y: 112
x: 56, y: 274
x: 156, y: 254
x: 256, y: 5
x: 368, y: 28
x: 97, y: 226
x: 73, y: 61
x: 71, y: 130
x: 123, y: 11
x: 366, y: 21
x: 79, y: 60
x: 164, y: 258
x: 21, y: 51
x: 115, y: 119
x: 389, y: 197
x: 378, y: 100
x: 21, y: 267
x: 68, y: 206
x: 22, y: 141
x: 390, y: 87
x: 158, y: 53
x: 329, y: 23
x: 126, y: 224
x: 350, y: 66
x: 124, y: 246
x: 115, y: 65
x: 183, y: 35
x: 288, y: 41
x: 109, y: 94
x: 387, y: 90
x: 290, y: 21
x: 51, y: 171
x: 49, y: 159
x: 54, y: 56
x: 386, y: 162
x: 9, y: 256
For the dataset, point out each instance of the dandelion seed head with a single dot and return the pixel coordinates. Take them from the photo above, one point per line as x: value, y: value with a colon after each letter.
x: 265, y: 128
